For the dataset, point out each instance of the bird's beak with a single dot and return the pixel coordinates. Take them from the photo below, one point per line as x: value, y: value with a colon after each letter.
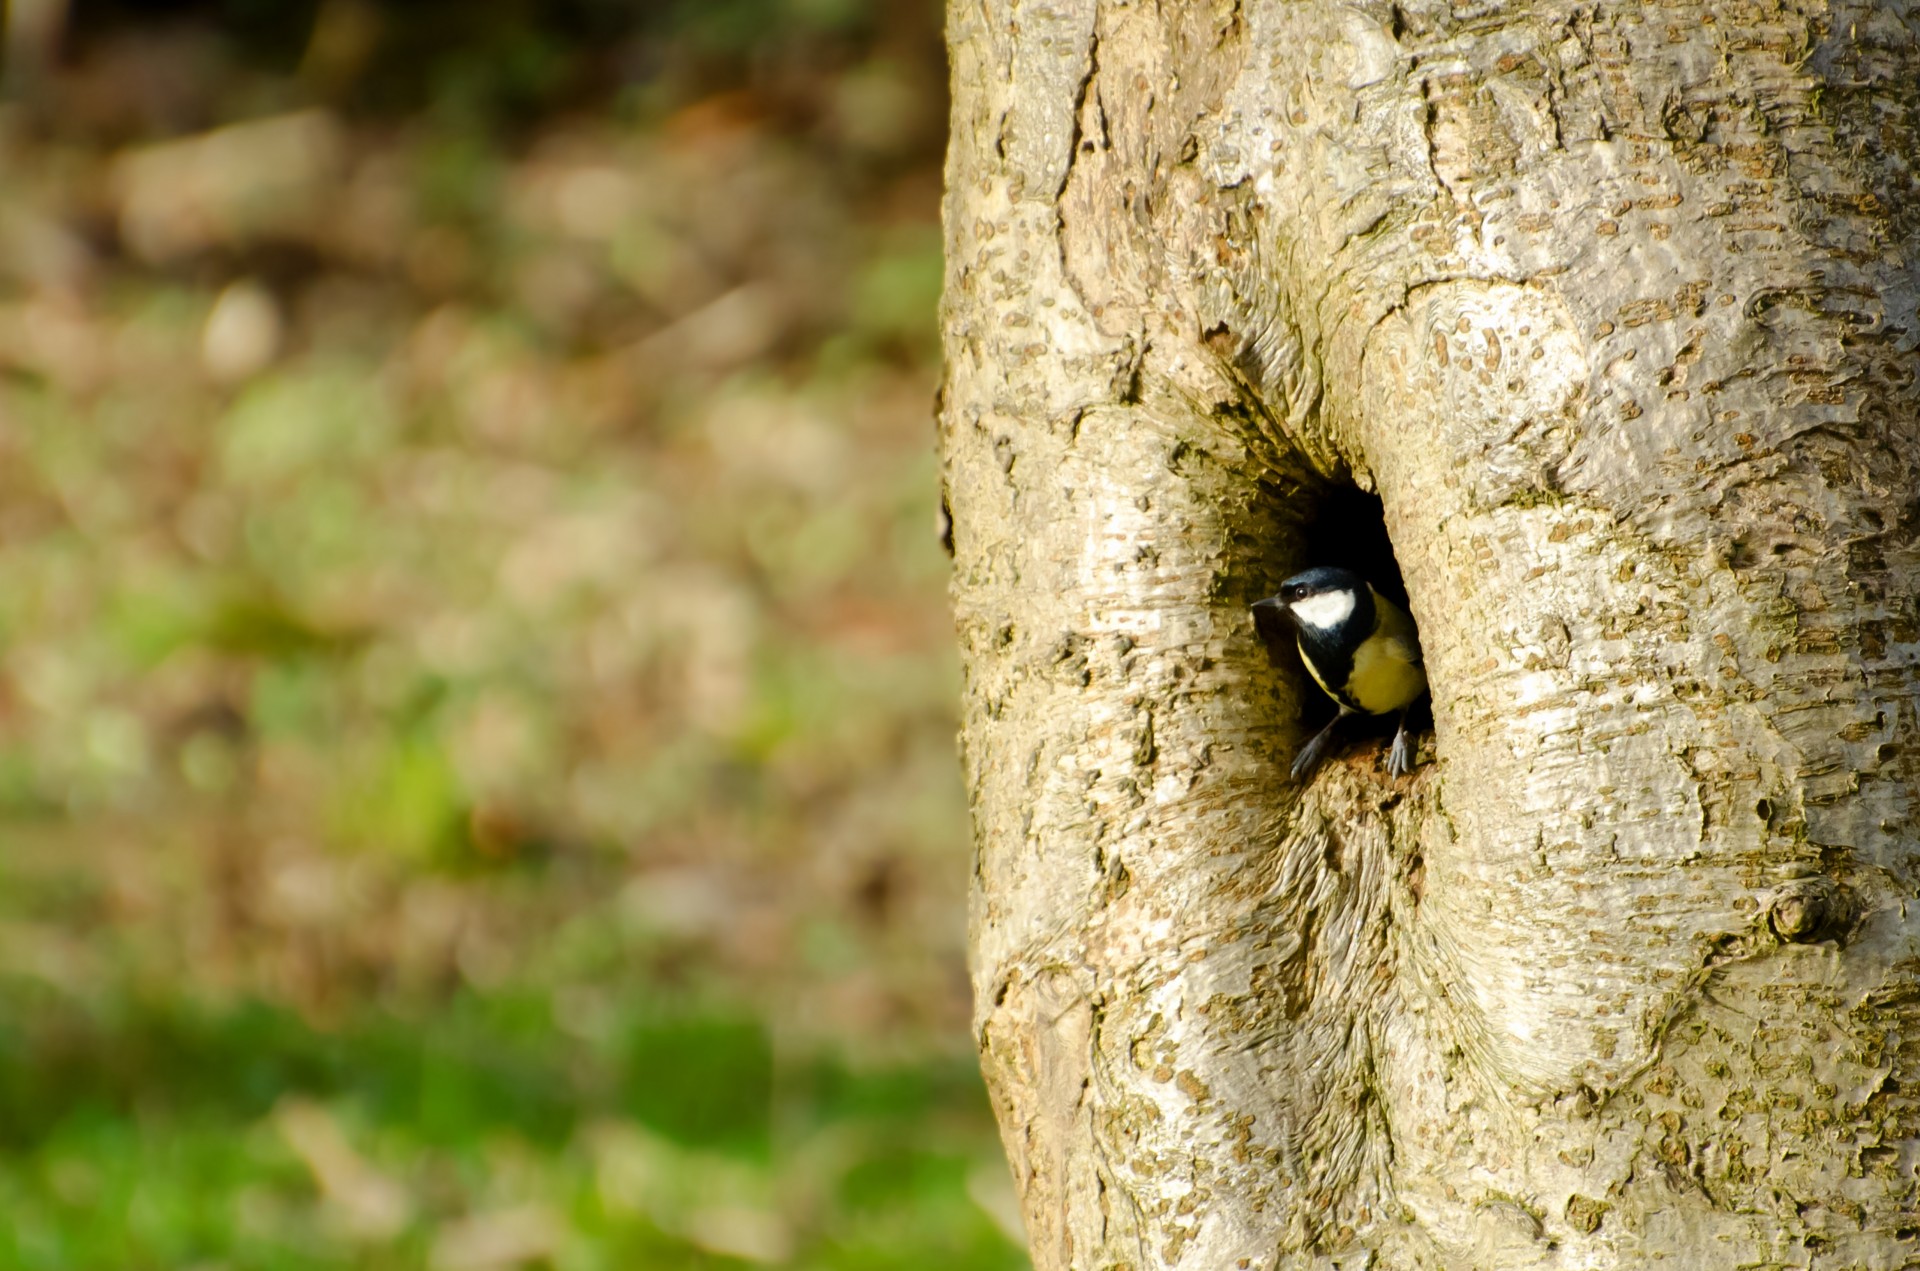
x: 1271, y: 617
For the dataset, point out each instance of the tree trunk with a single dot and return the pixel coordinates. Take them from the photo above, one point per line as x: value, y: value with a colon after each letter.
x: 1611, y: 305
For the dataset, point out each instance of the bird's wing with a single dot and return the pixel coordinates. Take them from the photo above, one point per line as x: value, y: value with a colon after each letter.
x: 1396, y: 628
x: 1402, y: 650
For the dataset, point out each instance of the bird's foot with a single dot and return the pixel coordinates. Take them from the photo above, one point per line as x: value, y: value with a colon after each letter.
x: 1314, y: 751
x: 1400, y: 755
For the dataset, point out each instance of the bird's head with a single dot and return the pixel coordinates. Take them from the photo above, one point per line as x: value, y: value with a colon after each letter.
x: 1323, y: 601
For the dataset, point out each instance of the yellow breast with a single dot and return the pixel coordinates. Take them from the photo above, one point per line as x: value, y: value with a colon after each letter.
x: 1385, y: 676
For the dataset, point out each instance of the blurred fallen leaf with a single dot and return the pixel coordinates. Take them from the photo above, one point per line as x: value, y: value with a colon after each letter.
x: 369, y: 1205
x: 56, y: 335
x: 718, y: 118
x: 711, y: 1202
x: 685, y: 902
x: 501, y: 1238
x: 244, y: 182
x: 735, y: 328
x: 39, y: 249
x: 595, y: 202
x: 242, y: 332
x: 47, y: 953
x: 738, y: 1231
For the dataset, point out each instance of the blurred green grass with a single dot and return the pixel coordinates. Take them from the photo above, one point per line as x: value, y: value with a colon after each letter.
x: 164, y: 1136
x: 476, y: 774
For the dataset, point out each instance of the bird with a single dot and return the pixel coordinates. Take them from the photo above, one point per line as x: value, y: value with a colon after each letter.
x: 1361, y: 649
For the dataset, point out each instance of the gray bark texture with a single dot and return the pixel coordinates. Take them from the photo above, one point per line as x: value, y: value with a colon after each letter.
x: 1614, y: 307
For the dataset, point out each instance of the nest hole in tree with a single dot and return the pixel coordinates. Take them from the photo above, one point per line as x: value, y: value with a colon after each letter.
x: 1343, y: 526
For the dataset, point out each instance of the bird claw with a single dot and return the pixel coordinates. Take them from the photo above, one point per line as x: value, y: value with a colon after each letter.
x: 1314, y: 751
x: 1309, y: 758
x: 1400, y: 755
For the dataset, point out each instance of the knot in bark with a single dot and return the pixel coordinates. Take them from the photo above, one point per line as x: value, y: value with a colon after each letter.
x: 1809, y: 910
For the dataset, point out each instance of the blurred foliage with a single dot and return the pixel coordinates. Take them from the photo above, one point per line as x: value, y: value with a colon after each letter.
x: 476, y: 774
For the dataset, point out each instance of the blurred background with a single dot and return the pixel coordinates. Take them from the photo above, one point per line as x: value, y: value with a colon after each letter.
x: 477, y: 783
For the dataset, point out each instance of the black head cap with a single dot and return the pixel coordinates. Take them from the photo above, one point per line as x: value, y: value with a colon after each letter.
x: 1319, y: 581
x: 1319, y: 624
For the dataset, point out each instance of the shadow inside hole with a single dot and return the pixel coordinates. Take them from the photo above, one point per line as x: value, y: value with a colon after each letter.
x: 1346, y: 527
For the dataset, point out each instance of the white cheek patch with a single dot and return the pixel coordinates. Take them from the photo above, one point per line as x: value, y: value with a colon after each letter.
x: 1326, y: 610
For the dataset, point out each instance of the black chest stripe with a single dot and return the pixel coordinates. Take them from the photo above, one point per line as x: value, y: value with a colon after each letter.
x: 1331, y: 664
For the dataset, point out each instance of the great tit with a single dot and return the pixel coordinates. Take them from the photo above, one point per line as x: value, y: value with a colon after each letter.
x: 1360, y: 647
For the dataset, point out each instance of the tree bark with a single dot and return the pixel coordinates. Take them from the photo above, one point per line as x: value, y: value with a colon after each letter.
x: 1613, y: 305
